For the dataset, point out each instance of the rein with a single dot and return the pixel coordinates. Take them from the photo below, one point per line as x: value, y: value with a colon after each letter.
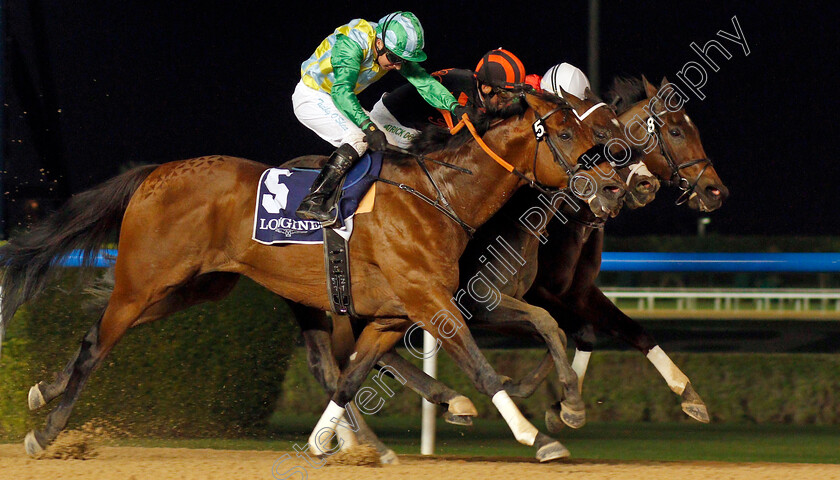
x: 441, y: 204
x: 682, y: 182
x: 539, y: 134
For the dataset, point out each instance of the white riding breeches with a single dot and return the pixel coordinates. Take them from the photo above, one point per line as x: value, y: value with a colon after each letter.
x: 316, y: 110
x: 396, y: 133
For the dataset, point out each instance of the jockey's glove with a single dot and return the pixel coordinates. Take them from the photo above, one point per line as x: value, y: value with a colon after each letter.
x: 374, y: 137
x: 460, y: 110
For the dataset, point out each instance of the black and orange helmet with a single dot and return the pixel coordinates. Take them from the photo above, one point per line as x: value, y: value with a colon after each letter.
x: 501, y: 69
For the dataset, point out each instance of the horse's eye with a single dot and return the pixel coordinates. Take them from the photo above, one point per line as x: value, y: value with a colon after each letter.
x: 601, y: 135
x: 566, y: 136
x: 675, y: 132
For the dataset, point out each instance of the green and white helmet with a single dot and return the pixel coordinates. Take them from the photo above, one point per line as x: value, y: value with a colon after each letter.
x: 403, y: 35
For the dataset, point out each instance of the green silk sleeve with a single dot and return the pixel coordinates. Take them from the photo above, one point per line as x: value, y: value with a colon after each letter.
x: 346, y: 59
x: 430, y: 89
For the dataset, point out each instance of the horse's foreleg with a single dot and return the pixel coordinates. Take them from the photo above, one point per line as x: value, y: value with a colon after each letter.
x: 527, y: 385
x: 584, y: 338
x: 460, y: 345
x: 606, y: 317
x: 459, y: 408
x: 317, y: 332
x: 340, y: 413
x: 519, y: 317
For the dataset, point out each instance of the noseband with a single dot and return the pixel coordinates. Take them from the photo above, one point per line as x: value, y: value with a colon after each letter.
x: 687, y: 186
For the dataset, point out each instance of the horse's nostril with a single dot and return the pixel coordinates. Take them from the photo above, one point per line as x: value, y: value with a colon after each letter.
x: 644, y: 186
x: 612, y: 189
x: 713, y: 191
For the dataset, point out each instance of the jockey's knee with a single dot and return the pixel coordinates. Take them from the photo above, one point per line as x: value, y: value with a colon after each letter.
x: 357, y: 141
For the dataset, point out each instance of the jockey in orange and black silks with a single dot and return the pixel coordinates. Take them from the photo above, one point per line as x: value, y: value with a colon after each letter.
x: 402, y: 113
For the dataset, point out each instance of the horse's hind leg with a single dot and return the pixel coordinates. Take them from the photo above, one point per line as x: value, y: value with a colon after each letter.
x: 119, y: 316
x: 95, y: 346
x: 210, y: 286
x: 43, y: 393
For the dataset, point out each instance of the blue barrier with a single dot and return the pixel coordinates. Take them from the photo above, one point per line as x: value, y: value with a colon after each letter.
x: 650, y: 262
x: 720, y: 262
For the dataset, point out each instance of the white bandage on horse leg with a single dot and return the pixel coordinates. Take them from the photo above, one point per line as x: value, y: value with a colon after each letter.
x: 522, y: 429
x: 579, y: 365
x: 333, y: 411
x: 346, y: 436
x: 670, y: 372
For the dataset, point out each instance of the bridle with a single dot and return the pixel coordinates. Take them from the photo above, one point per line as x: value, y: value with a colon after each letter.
x: 683, y: 183
x: 540, y: 134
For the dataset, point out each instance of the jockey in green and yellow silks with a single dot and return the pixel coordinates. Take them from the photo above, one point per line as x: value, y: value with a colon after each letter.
x: 352, y: 58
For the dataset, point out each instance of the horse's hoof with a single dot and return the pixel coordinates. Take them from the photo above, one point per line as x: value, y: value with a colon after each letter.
x: 36, y: 398
x: 693, y: 405
x: 572, y: 418
x: 553, y: 451
x: 31, y: 444
x: 462, y: 405
x: 461, y: 420
x: 389, y: 458
x: 696, y: 411
x: 553, y: 423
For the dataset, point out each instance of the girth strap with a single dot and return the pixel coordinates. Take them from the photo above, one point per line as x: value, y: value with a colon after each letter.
x: 337, y: 264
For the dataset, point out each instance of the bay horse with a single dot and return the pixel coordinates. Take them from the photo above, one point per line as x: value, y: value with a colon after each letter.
x: 569, y: 261
x: 678, y: 160
x: 511, y: 315
x: 185, y: 238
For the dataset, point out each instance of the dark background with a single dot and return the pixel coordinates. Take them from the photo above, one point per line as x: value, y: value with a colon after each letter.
x: 92, y: 87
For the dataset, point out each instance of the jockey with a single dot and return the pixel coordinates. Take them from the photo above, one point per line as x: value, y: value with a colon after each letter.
x: 565, y: 76
x: 402, y: 113
x: 345, y: 63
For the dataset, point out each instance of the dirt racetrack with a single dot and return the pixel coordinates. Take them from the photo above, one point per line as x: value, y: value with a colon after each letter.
x: 133, y: 463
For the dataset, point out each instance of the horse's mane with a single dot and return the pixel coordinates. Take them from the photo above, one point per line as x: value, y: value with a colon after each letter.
x: 626, y: 92
x: 434, y: 138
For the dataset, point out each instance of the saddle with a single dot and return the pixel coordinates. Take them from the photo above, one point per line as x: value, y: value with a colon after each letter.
x: 279, y: 193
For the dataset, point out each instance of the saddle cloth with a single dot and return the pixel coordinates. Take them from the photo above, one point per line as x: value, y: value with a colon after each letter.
x: 281, y: 190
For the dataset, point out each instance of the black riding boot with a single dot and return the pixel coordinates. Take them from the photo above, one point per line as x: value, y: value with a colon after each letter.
x: 319, y: 204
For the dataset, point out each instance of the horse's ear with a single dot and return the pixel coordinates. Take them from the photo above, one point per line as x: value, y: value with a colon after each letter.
x: 535, y: 101
x: 650, y: 90
x: 572, y: 100
x: 540, y: 104
x: 588, y: 94
x: 664, y: 82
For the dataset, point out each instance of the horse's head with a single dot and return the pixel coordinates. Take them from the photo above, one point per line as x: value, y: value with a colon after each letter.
x: 642, y: 185
x: 573, y: 157
x: 672, y: 141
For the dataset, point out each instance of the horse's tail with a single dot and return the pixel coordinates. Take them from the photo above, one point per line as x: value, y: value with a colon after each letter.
x: 83, y: 223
